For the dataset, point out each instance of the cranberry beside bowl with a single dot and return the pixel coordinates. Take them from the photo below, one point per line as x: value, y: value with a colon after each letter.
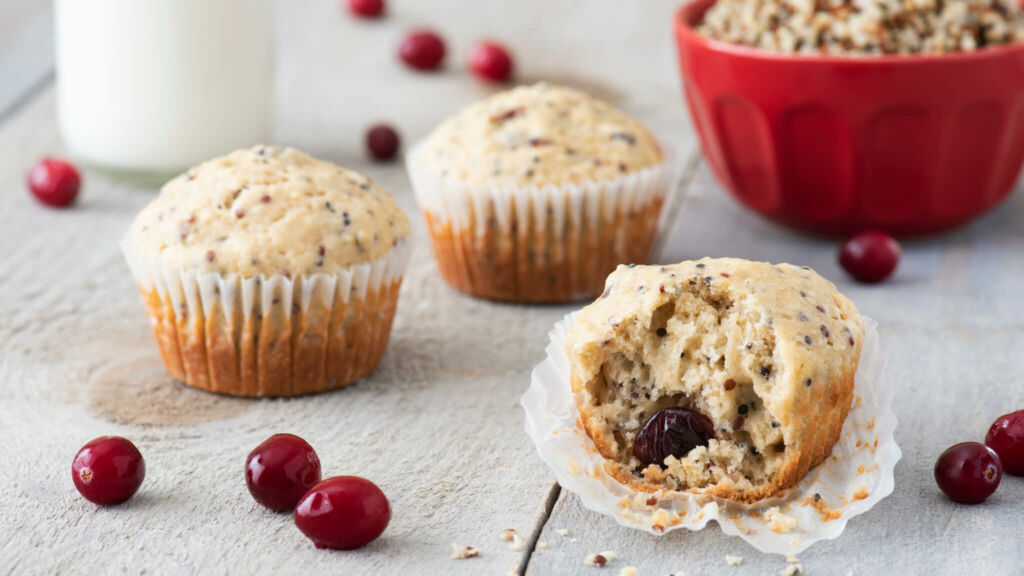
x: 834, y: 145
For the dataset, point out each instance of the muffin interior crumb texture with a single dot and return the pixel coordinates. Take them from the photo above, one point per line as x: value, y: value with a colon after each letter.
x: 741, y: 343
x: 866, y: 27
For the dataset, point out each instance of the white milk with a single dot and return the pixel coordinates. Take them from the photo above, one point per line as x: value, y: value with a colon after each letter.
x: 155, y: 86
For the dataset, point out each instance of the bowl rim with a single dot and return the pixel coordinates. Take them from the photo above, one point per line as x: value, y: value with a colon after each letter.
x: 696, y: 8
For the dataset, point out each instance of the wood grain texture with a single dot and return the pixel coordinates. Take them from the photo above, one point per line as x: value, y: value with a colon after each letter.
x: 437, y: 426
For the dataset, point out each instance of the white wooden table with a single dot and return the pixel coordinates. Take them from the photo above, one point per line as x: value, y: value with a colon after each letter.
x: 438, y: 426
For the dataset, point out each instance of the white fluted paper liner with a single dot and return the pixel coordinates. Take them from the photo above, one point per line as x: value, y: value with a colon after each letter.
x: 857, y: 476
x: 454, y: 201
x: 193, y: 291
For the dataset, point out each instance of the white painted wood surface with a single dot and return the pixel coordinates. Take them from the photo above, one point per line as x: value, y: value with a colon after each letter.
x: 438, y: 426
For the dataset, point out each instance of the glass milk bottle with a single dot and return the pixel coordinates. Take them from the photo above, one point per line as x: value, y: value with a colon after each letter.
x: 147, y: 88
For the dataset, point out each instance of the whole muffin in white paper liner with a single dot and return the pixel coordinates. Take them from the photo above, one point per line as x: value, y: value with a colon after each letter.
x: 857, y: 475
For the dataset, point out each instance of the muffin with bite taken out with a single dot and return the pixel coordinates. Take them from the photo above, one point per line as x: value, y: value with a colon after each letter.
x: 722, y: 377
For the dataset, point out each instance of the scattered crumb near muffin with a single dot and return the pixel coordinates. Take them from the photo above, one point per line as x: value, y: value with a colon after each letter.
x: 779, y: 522
x: 542, y: 545
x: 600, y: 560
x: 573, y: 540
x: 865, y: 27
x: 516, y: 544
x: 791, y: 558
x: 562, y: 532
x: 628, y: 571
x: 818, y: 503
x: 508, y: 534
x: 460, y: 552
x: 733, y: 560
x: 791, y: 570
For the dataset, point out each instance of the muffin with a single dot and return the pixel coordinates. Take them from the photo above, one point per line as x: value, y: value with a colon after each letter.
x: 722, y: 376
x: 269, y: 273
x: 536, y: 194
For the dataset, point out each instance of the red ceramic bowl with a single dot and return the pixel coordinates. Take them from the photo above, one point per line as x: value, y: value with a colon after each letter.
x: 835, y: 145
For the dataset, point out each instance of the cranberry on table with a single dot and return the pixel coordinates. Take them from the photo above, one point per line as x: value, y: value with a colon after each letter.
x: 491, y: 61
x: 344, y: 512
x: 54, y: 182
x: 422, y: 49
x: 281, y: 470
x: 1006, y: 437
x: 968, y: 472
x: 671, y: 432
x: 870, y: 257
x: 108, y: 470
x: 382, y: 142
x: 367, y: 8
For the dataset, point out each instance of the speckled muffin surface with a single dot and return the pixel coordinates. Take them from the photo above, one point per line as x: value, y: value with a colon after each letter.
x: 269, y: 210
x: 767, y: 352
x: 539, y: 135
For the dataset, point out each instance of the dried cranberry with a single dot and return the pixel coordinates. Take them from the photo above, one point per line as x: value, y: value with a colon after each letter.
x: 1006, y: 437
x: 281, y: 470
x: 366, y: 8
x: 672, y: 432
x: 422, y: 49
x: 54, y: 182
x: 968, y: 472
x: 344, y: 512
x: 870, y: 257
x: 382, y: 142
x: 491, y: 61
x: 108, y: 470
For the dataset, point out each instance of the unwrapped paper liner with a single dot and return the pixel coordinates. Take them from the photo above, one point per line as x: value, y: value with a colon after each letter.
x: 857, y: 476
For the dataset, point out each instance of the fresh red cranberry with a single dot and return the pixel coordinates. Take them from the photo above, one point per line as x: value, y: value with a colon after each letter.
x: 672, y: 432
x: 108, y: 470
x: 367, y: 8
x: 491, y: 61
x: 281, y: 470
x: 54, y: 182
x: 1006, y: 437
x: 344, y: 512
x: 422, y: 49
x: 870, y: 257
x: 968, y: 472
x: 383, y: 142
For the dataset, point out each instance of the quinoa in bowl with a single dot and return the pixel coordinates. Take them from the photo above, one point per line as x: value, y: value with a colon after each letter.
x: 865, y: 27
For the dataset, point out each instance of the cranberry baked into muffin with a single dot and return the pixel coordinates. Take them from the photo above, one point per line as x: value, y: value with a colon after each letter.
x: 724, y: 377
x: 537, y: 193
x: 269, y: 273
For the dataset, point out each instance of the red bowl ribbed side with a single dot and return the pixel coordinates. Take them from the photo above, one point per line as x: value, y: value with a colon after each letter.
x: 834, y: 145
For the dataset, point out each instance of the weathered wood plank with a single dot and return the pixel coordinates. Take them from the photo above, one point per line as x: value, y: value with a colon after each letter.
x: 951, y: 323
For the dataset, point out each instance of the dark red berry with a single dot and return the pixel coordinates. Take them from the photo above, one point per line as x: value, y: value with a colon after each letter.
x: 367, y: 8
x: 108, y: 470
x: 281, y: 470
x: 422, y: 49
x: 1006, y: 437
x: 382, y: 142
x: 344, y: 512
x: 968, y: 472
x: 491, y: 61
x: 672, y: 432
x: 54, y: 182
x: 870, y: 256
